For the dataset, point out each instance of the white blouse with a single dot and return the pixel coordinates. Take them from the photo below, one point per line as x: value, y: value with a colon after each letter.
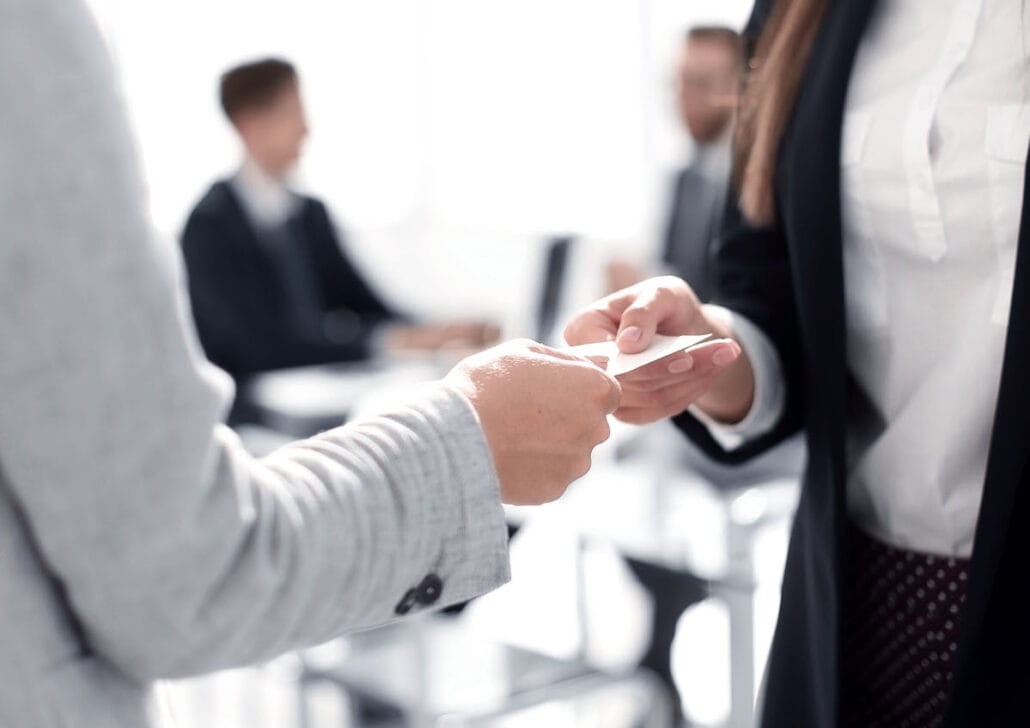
x: 934, y: 148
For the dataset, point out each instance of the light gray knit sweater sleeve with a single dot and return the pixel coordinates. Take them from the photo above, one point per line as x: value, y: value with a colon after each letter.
x: 180, y: 553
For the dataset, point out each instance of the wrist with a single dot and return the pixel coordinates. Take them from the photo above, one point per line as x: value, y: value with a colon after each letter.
x: 732, y: 397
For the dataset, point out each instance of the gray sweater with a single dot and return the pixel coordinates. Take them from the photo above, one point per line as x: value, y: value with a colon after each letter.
x: 138, y: 540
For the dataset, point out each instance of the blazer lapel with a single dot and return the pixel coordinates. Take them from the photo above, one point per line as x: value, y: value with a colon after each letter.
x: 1008, y: 456
x: 252, y: 254
x: 809, y: 185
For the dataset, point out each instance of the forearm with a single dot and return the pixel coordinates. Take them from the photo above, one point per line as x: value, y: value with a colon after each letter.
x: 244, y: 345
x: 176, y: 551
x: 324, y: 536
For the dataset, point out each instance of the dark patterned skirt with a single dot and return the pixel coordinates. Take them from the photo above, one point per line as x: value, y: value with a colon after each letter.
x: 900, y: 625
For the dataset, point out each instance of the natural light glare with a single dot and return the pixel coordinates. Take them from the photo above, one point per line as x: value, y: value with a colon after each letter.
x: 449, y: 137
x: 701, y: 662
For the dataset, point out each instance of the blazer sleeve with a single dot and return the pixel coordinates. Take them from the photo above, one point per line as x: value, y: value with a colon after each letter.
x: 178, y: 552
x: 754, y: 280
x: 345, y: 286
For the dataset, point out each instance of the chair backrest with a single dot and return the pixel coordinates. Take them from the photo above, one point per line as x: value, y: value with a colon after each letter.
x: 553, y: 283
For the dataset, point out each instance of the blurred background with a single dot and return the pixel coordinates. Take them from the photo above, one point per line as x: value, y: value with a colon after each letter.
x: 504, y: 163
x: 450, y: 134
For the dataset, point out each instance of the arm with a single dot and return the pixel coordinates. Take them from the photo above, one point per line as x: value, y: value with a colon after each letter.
x: 755, y: 284
x: 178, y: 552
x: 345, y: 286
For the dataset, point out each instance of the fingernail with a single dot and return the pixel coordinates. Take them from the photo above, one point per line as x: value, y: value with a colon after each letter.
x: 724, y: 356
x: 630, y: 334
x: 681, y: 365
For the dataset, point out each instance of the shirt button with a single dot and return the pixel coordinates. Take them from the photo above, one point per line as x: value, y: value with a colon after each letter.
x: 406, y: 603
x: 429, y: 591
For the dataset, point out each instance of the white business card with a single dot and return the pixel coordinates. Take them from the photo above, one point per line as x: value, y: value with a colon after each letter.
x: 621, y: 363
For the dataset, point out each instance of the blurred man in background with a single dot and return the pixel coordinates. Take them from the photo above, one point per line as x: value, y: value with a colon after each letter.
x: 270, y: 280
x: 707, y: 82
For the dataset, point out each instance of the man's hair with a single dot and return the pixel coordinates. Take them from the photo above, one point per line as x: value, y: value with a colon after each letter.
x: 254, y: 85
x: 733, y: 41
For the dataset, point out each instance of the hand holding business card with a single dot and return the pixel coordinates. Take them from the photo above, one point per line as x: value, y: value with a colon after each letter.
x: 659, y: 375
x: 620, y: 363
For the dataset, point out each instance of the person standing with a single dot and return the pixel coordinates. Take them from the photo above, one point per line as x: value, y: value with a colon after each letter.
x: 877, y: 286
x: 138, y: 539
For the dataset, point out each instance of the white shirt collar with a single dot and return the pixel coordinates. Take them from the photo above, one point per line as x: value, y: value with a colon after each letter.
x: 268, y: 201
x: 714, y: 158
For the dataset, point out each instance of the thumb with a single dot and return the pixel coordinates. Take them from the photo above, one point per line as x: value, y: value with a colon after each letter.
x: 641, y: 319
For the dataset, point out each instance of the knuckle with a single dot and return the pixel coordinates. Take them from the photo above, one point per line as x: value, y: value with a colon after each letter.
x: 579, y: 467
x: 608, y: 392
x: 676, y: 410
x: 650, y: 385
x: 669, y: 400
x: 630, y: 416
x: 662, y: 294
x: 572, y: 330
x: 523, y: 344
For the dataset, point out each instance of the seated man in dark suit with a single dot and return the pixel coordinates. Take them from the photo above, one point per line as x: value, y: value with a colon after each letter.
x: 270, y: 281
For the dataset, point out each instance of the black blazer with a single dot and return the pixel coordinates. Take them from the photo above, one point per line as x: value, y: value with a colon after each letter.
x: 239, y: 300
x: 789, y: 280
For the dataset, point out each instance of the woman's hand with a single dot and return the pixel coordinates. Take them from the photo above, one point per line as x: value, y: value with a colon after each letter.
x: 715, y: 375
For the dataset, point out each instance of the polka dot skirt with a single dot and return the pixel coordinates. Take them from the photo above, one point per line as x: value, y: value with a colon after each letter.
x: 900, y: 626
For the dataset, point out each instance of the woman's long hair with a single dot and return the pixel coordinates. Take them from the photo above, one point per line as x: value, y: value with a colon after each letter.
x: 771, y: 89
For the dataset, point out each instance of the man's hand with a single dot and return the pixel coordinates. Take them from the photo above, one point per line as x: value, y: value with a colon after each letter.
x: 716, y: 375
x: 543, y: 411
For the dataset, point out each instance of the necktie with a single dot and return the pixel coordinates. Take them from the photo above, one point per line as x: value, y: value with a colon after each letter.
x: 296, y: 276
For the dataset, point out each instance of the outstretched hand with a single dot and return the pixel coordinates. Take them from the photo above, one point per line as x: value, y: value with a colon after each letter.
x: 542, y: 410
x: 715, y: 374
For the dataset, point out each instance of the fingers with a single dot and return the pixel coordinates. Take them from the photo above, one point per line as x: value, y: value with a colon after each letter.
x: 668, y: 398
x: 593, y: 324
x: 600, y: 322
x: 605, y: 387
x: 613, y: 394
x: 652, y: 395
x: 716, y: 354
x: 544, y: 350
x: 602, y: 433
x: 640, y: 320
x: 633, y: 315
x: 601, y: 387
x: 639, y: 415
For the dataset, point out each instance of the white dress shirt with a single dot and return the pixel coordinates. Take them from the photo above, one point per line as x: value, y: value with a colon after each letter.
x: 933, y: 156
x: 267, y: 200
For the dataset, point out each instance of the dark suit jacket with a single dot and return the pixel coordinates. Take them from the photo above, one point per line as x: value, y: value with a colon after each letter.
x: 695, y: 219
x: 789, y: 280
x: 243, y: 314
